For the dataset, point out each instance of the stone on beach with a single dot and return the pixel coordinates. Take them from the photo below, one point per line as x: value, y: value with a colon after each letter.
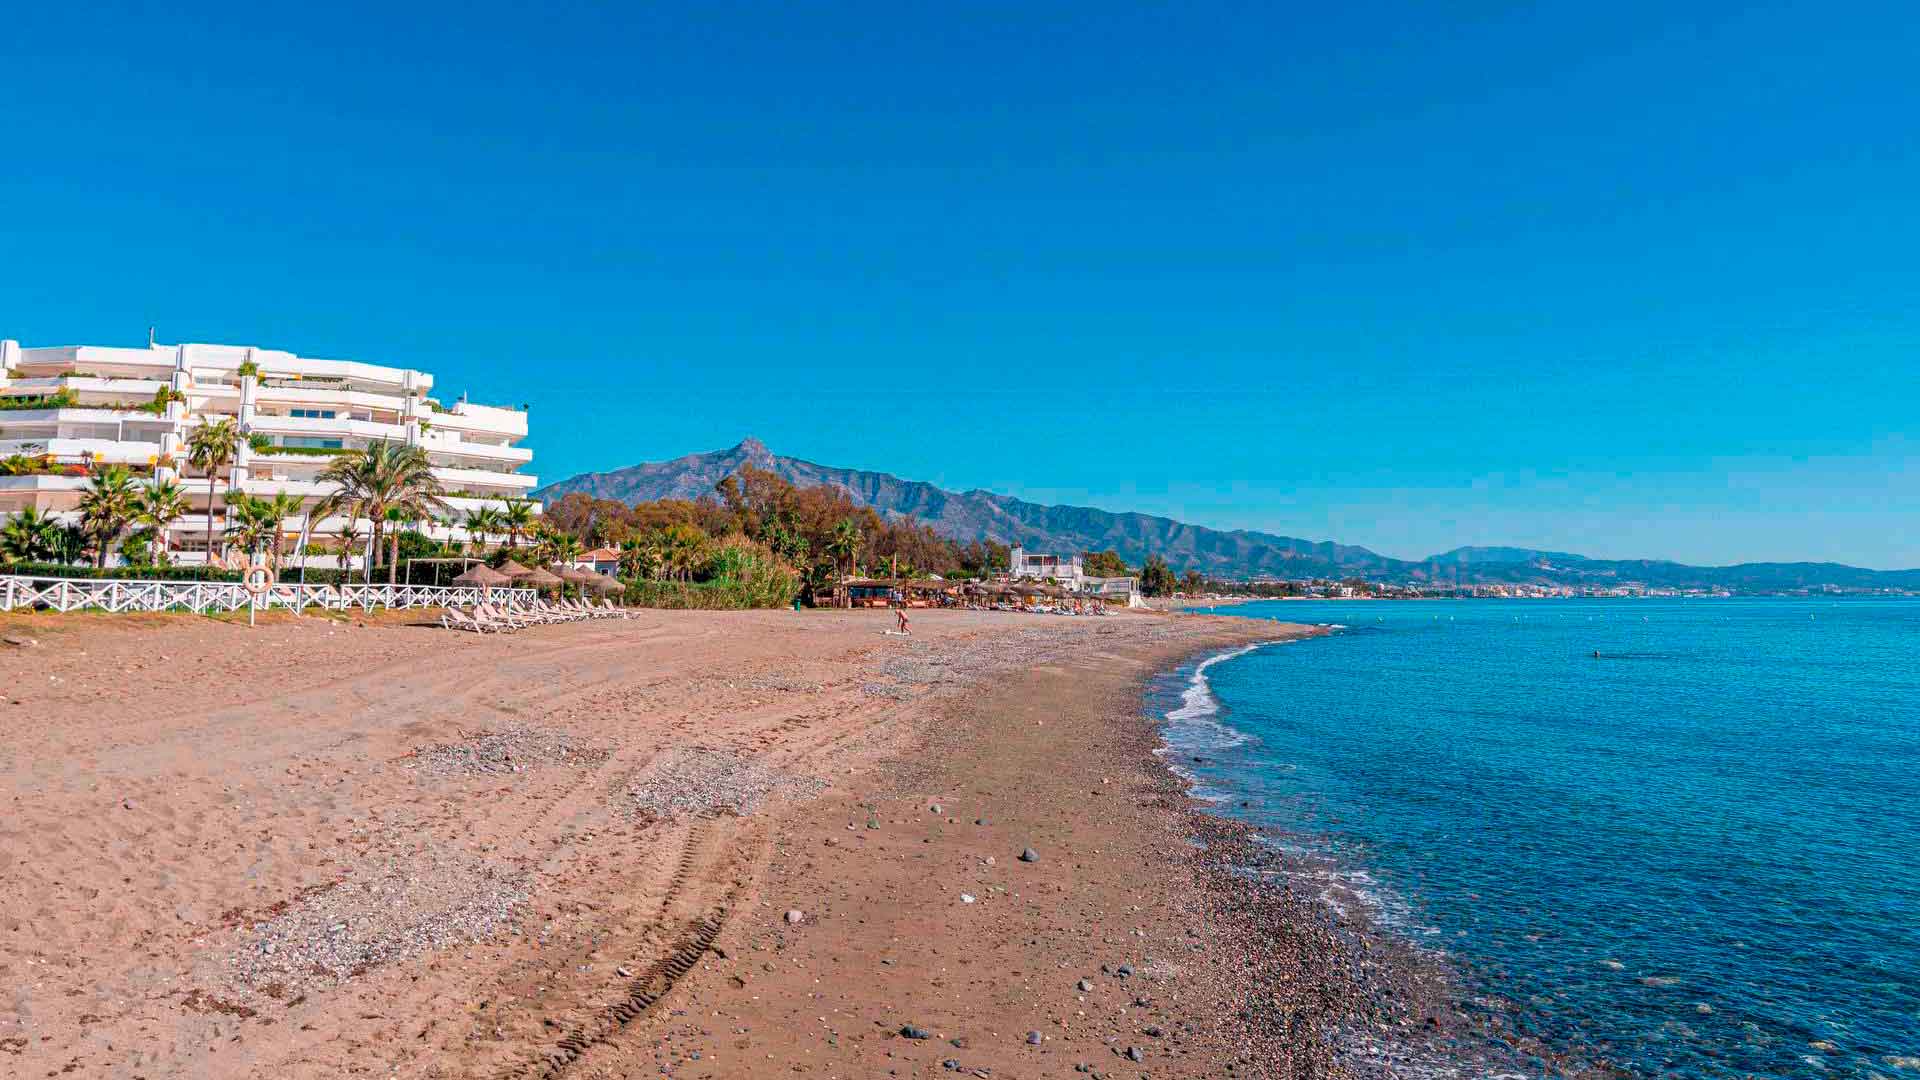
x: 1029, y: 855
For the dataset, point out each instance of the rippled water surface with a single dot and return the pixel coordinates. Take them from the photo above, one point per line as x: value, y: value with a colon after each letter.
x: 1698, y: 851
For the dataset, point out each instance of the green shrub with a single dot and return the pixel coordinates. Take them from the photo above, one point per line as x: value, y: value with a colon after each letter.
x: 59, y: 399
x: 305, y: 451
x: 315, y: 575
x: 695, y: 596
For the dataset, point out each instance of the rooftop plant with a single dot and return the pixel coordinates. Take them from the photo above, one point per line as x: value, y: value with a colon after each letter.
x: 305, y: 451
x: 59, y: 399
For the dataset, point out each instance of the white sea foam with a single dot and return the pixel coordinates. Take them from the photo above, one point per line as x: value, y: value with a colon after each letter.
x: 1195, y: 724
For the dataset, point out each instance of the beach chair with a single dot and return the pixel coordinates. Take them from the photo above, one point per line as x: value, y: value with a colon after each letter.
x: 558, y: 612
x: 540, y: 613
x: 614, y: 612
x: 499, y: 618
x: 455, y: 619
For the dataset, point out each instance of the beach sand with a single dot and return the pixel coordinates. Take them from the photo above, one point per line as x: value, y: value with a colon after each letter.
x: 690, y: 844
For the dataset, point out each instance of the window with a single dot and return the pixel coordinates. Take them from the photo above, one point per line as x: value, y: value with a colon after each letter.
x: 312, y: 414
x: 307, y: 441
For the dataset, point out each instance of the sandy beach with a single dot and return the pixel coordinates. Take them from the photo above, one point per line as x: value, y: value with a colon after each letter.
x: 688, y: 844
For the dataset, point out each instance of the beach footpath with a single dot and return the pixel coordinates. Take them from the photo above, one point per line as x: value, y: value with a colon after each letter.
x: 690, y: 844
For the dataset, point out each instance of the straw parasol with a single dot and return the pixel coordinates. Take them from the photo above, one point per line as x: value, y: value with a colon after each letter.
x: 484, y: 576
x: 513, y: 569
x: 540, y: 579
x: 576, y: 575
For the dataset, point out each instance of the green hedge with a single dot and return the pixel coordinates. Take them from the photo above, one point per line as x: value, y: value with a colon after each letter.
x: 315, y: 575
x: 701, y: 596
x: 59, y: 399
x: 303, y: 451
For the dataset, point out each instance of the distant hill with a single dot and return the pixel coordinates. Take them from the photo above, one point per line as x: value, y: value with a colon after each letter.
x: 1467, y: 556
x: 983, y: 515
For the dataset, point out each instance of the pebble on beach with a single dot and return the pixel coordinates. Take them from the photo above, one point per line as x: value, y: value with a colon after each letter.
x: 1029, y: 855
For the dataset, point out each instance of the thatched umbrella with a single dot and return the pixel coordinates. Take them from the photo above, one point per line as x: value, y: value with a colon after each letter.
x: 573, y: 575
x: 578, y: 576
x: 513, y: 569
x: 483, y: 576
x: 541, y: 579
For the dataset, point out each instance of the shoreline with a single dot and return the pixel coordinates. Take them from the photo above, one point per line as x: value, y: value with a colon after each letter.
x: 1386, y: 1006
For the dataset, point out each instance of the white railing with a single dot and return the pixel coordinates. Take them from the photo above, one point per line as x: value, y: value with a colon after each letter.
x: 97, y: 594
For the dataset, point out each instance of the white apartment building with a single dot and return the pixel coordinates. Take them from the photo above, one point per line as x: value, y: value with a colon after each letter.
x: 91, y: 405
x: 1065, y: 569
x: 1070, y: 571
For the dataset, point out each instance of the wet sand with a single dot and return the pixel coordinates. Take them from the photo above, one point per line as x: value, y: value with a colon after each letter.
x: 689, y: 844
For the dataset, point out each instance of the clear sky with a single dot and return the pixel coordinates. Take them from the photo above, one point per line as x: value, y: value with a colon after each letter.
x: 1633, y: 279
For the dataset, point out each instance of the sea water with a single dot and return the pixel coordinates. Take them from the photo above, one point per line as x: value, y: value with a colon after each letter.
x: 1696, y: 853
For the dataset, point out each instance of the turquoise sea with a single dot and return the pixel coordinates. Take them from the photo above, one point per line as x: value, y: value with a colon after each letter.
x: 1696, y: 854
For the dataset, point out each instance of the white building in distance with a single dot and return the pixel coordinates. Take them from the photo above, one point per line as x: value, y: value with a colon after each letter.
x: 67, y: 408
x: 1069, y: 571
x: 1066, y: 570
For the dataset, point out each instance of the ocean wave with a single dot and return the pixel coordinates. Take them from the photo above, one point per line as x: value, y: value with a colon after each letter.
x: 1194, y: 725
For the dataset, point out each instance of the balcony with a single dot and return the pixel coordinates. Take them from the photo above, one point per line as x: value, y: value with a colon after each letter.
x: 302, y: 393
x: 275, y: 485
x: 473, y: 453
x: 334, y: 428
x: 111, y: 451
x: 466, y: 504
x: 489, y: 419
x: 484, y: 481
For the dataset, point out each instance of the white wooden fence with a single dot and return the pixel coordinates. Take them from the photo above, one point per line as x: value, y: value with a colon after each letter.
x: 98, y: 594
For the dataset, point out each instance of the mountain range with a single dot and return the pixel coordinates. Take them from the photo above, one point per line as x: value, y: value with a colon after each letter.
x: 1237, y: 553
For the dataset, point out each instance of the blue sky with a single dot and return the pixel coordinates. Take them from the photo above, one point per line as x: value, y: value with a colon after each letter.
x: 1629, y: 280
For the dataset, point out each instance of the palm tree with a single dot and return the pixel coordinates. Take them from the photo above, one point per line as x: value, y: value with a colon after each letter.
x: 640, y: 555
x: 211, y: 448
x: 19, y: 465
x: 68, y: 543
x: 483, y: 523
x: 28, y: 536
x: 282, y: 506
x: 255, y: 525
x: 845, y: 542
x: 385, y: 476
x: 108, y: 506
x: 396, y: 517
x: 685, y: 544
x: 516, y: 518
x: 158, y: 506
x: 563, y: 547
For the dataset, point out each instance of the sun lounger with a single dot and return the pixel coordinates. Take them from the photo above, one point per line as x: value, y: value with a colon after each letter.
x: 537, y: 612
x: 502, y: 618
x: 555, y: 613
x: 455, y: 619
x: 482, y: 623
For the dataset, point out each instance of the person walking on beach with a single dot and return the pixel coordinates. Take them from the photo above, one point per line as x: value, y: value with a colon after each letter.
x: 900, y: 612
